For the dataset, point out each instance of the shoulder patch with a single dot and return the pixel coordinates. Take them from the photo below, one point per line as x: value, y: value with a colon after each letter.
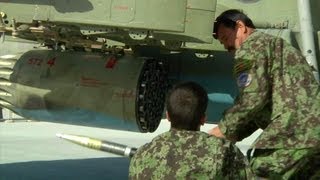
x: 244, y: 80
x: 242, y: 65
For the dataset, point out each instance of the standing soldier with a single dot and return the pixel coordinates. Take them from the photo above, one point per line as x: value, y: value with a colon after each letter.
x: 278, y: 93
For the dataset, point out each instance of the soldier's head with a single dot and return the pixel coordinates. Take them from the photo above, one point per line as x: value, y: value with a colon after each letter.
x: 186, y: 106
x: 231, y: 28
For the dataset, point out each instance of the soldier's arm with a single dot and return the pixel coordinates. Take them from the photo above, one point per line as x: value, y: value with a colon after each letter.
x: 133, y: 168
x: 254, y: 95
x: 241, y: 165
x: 235, y: 165
x: 250, y: 128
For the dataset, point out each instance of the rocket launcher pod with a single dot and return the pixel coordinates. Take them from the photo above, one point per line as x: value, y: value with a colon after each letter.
x: 82, y: 88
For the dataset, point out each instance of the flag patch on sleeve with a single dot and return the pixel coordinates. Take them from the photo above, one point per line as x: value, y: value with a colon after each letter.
x: 244, y: 80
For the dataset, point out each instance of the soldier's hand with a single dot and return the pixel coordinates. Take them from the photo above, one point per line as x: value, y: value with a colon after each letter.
x: 216, y: 132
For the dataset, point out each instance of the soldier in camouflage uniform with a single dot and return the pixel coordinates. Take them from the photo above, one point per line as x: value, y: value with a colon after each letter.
x: 184, y: 152
x: 278, y: 93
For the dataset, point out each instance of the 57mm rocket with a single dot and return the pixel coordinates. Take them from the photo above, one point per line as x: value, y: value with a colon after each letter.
x: 97, y: 144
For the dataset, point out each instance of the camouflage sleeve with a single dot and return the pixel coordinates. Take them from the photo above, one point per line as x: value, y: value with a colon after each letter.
x: 236, y: 166
x: 253, y: 83
x: 247, y: 131
x: 150, y: 159
x: 243, y: 166
x: 142, y: 165
x: 134, y: 167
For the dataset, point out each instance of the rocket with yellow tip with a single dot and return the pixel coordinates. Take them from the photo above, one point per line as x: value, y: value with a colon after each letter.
x: 97, y: 144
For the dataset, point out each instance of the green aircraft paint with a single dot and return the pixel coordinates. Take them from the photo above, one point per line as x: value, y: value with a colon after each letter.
x: 110, y: 63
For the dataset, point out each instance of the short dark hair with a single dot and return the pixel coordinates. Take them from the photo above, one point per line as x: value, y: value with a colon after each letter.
x: 186, y: 104
x: 229, y: 18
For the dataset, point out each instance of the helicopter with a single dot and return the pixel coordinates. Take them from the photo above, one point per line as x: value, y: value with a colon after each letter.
x: 110, y: 63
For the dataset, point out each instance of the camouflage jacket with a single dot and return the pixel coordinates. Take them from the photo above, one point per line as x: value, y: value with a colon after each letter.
x: 188, y: 155
x: 278, y: 93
